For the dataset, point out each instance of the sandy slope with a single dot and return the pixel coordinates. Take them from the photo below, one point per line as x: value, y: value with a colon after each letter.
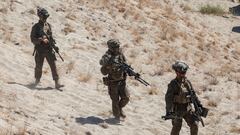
x: 154, y: 34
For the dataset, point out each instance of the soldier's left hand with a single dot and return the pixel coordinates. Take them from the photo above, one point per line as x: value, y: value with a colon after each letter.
x: 137, y: 75
x: 45, y: 41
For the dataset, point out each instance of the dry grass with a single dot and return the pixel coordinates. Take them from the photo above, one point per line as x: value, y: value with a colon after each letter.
x: 93, y: 28
x: 212, y: 103
x: 235, y: 129
x: 31, y: 11
x: 103, y: 125
x: 133, y: 54
x: 45, y: 71
x: 213, y: 81
x: 186, y: 7
x: 22, y: 131
x: 68, y: 29
x: 105, y: 113
x: 153, y: 91
x: 169, y: 13
x: 137, y: 36
x: 121, y: 7
x: 70, y: 67
x: 209, y: 9
x: 158, y: 72
x: 78, y: 46
x: 234, y: 77
x: 7, y: 33
x: 71, y: 16
x: 135, y: 83
x: 102, y: 3
x: 85, y: 77
x: 4, y: 10
x: 225, y: 113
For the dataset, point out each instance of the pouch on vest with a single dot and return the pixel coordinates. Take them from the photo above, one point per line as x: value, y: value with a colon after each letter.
x: 181, y: 99
x: 106, y: 81
x: 104, y: 70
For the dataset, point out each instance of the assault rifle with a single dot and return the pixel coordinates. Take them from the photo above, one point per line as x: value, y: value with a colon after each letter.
x: 199, y: 110
x: 52, y: 44
x: 129, y: 70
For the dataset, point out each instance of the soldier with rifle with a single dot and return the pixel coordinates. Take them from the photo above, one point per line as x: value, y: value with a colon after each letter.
x: 115, y: 69
x: 179, y: 99
x: 41, y: 37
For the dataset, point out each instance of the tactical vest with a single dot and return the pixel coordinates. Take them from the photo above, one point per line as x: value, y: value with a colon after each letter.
x: 43, y: 29
x: 182, y: 94
x: 115, y: 72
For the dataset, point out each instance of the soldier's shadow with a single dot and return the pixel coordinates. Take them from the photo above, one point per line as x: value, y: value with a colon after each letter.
x: 32, y: 86
x: 96, y: 120
x: 236, y: 29
x: 235, y: 10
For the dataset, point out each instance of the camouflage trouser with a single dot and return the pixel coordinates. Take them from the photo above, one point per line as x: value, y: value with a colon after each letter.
x: 39, y: 59
x: 191, y: 121
x: 119, y: 95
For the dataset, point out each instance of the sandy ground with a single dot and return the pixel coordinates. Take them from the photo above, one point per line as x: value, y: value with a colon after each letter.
x: 153, y: 33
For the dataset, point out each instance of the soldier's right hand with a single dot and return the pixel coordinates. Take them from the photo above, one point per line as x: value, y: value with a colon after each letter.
x: 45, y: 41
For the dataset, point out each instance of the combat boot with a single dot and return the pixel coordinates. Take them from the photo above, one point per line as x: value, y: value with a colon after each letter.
x: 37, y: 81
x: 58, y: 85
x: 122, y: 114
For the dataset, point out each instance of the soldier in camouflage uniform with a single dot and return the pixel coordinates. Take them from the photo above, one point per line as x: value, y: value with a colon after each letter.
x: 116, y: 78
x: 40, y: 34
x: 178, y: 101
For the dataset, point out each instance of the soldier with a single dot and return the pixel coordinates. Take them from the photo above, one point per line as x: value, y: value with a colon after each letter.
x: 178, y: 102
x: 116, y: 78
x: 40, y: 34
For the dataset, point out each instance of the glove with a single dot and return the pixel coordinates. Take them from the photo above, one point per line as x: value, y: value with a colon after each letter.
x: 137, y: 75
x: 56, y: 49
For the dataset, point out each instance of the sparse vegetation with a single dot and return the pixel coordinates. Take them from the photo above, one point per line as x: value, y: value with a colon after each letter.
x: 153, y: 91
x: 70, y: 66
x: 68, y: 29
x: 209, y: 9
x: 213, y: 81
x: 212, y: 103
x: 225, y: 113
x: 186, y: 7
x: 84, y: 77
x: 235, y: 129
x: 158, y: 72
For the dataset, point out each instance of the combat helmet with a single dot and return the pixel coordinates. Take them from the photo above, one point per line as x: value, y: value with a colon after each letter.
x: 42, y: 12
x: 113, y: 43
x: 180, y: 67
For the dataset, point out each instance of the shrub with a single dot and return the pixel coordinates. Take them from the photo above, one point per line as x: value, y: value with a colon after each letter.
x: 209, y: 9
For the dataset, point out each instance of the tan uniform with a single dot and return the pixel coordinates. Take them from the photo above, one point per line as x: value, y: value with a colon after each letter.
x: 177, y: 101
x: 42, y: 50
x: 116, y: 81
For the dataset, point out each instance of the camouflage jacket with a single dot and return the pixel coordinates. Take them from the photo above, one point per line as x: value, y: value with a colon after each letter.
x: 110, y: 68
x: 38, y: 31
x: 177, y: 98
